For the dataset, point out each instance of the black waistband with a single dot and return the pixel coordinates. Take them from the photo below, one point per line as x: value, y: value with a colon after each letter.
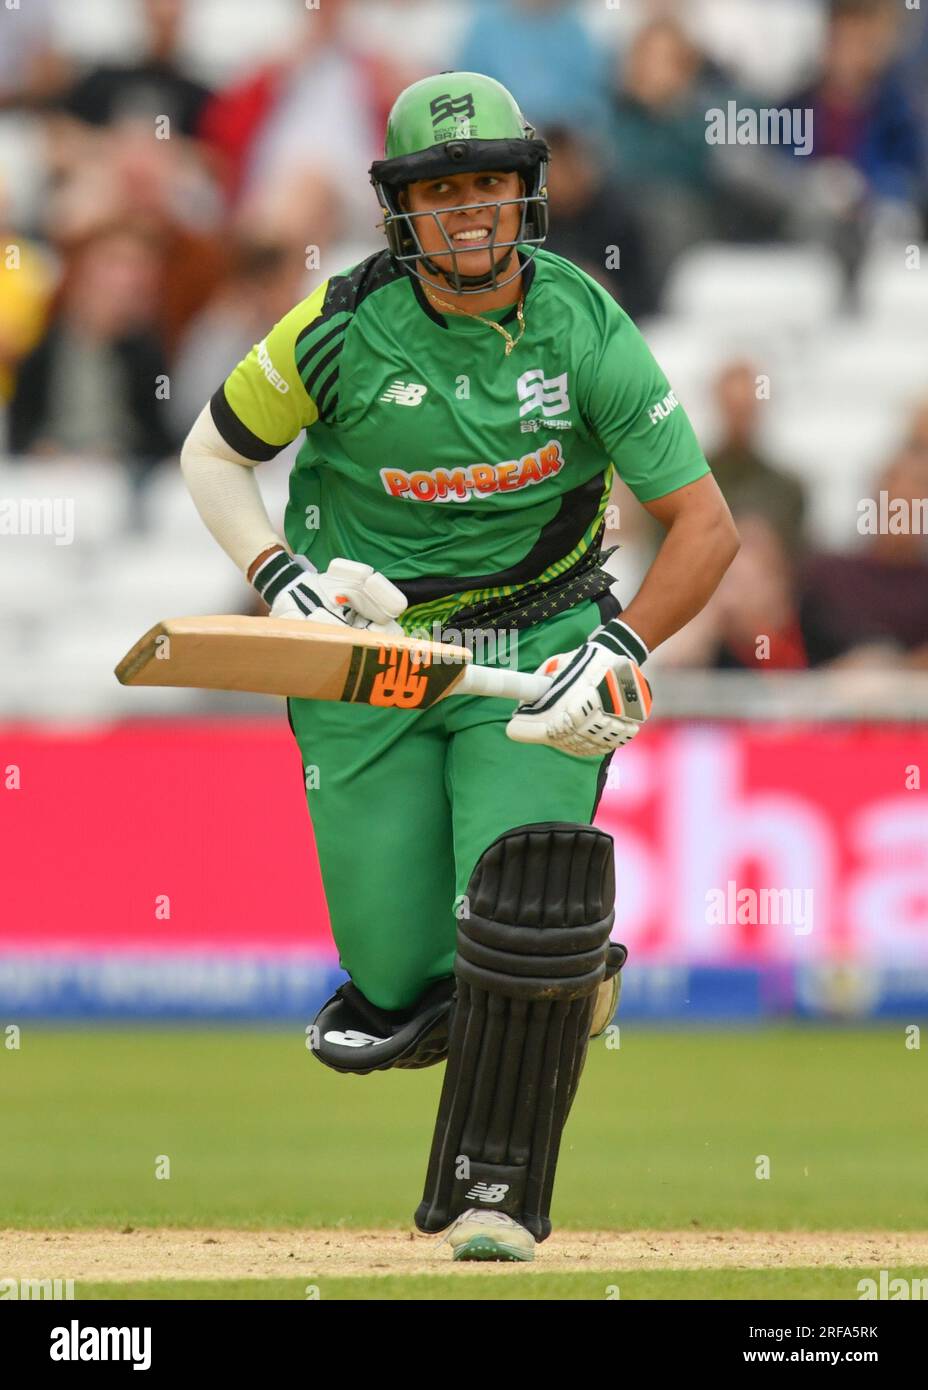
x: 585, y: 581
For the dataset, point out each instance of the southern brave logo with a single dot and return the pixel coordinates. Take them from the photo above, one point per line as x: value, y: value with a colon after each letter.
x: 538, y: 392
x: 405, y: 393
x: 446, y: 105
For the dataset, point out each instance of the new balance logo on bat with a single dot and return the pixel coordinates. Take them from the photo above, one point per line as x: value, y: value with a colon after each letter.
x: 538, y: 392
x: 489, y: 1192
x: 405, y: 393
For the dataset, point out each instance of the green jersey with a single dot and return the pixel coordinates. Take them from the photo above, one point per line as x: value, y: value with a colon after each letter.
x: 459, y: 471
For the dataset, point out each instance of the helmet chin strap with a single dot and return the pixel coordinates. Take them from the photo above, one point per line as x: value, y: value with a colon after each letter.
x: 472, y: 281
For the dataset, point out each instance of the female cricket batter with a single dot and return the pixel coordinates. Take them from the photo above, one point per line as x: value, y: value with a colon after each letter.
x: 465, y: 397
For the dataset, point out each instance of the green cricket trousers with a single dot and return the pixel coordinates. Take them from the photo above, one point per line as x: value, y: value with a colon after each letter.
x: 403, y: 803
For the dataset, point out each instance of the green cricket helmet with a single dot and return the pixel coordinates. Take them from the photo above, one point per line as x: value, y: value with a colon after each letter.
x: 458, y: 123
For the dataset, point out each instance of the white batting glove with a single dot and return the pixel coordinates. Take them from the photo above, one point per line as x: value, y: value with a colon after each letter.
x: 598, y: 701
x: 347, y: 593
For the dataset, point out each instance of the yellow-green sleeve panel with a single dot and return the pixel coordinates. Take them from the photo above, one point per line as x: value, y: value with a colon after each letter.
x: 263, y: 404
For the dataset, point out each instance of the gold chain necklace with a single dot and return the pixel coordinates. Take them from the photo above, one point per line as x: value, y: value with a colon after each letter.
x: 510, y: 341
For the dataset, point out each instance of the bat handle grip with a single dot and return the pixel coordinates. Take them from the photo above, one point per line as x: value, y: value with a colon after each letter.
x: 504, y: 684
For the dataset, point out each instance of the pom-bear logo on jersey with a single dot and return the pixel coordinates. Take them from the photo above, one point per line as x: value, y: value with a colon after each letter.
x: 476, y: 479
x: 549, y: 394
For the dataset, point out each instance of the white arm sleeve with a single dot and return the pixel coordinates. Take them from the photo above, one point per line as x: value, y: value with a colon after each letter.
x: 225, y: 492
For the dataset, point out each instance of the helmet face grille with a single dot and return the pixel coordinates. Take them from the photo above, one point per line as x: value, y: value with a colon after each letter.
x: 406, y: 246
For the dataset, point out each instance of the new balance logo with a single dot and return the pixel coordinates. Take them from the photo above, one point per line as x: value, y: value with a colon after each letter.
x: 538, y: 392
x: 353, y: 1037
x: 489, y: 1192
x: 405, y: 393
x: 663, y: 408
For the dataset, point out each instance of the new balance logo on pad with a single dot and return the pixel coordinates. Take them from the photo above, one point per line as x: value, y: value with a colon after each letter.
x: 489, y: 1192
x: 353, y: 1037
x: 405, y: 393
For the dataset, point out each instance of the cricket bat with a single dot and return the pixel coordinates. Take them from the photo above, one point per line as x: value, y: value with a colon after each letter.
x: 315, y: 661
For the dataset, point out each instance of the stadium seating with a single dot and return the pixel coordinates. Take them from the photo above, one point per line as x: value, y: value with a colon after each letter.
x: 893, y: 287
x: 743, y: 286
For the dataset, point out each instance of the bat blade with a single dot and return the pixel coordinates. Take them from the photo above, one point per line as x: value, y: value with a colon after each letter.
x: 293, y: 657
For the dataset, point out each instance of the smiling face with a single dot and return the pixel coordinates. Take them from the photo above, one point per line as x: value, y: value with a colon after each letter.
x: 469, y: 230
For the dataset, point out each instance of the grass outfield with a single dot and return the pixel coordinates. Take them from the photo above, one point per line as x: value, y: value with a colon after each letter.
x: 675, y: 1284
x: 660, y: 1155
x: 665, y: 1134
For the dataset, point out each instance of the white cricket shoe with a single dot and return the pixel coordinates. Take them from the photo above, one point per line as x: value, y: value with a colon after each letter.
x: 489, y: 1235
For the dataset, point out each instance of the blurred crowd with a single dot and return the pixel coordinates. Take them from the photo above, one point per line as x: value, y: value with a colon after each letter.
x: 174, y: 216
x: 785, y: 604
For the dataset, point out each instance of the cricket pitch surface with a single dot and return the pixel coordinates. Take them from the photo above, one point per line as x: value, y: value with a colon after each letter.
x: 152, y: 1253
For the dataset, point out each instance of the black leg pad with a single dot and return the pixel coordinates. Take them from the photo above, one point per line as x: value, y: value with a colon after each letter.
x: 531, y: 955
